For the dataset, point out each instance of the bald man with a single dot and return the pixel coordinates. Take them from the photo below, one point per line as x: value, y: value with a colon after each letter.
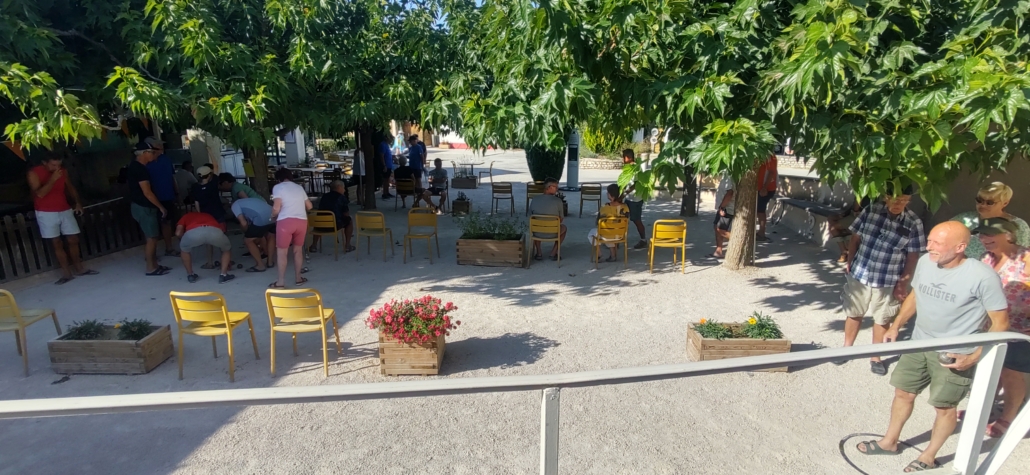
x: 953, y: 296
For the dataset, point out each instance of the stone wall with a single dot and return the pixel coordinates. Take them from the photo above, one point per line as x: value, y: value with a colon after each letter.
x: 599, y: 164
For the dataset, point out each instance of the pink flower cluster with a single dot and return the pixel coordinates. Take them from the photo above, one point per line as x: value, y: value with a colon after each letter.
x: 414, y: 321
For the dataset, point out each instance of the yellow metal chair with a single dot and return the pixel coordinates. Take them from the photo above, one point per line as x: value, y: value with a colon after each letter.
x: 14, y: 319
x: 421, y: 225
x: 501, y: 191
x: 543, y: 224
x: 533, y: 189
x: 205, y: 314
x: 489, y: 173
x: 670, y: 233
x: 300, y: 311
x: 404, y: 189
x: 589, y: 192
x: 323, y: 223
x: 372, y: 224
x: 612, y: 231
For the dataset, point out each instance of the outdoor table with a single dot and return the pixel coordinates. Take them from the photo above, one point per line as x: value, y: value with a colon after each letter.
x: 471, y: 167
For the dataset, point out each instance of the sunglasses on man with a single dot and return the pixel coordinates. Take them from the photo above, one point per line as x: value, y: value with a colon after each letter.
x: 982, y: 201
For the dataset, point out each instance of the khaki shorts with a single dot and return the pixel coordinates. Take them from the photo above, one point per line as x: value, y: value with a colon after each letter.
x: 860, y: 300
x: 915, y: 371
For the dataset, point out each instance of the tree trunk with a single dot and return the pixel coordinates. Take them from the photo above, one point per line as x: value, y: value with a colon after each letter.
x: 368, y: 181
x: 259, y: 163
x: 741, y: 250
x: 688, y: 208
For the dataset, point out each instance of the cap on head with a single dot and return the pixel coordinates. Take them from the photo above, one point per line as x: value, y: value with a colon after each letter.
x: 995, y: 226
x: 154, y: 142
x: 144, y: 146
x: 204, y: 171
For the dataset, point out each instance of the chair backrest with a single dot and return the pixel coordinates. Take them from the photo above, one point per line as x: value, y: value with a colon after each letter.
x: 422, y: 218
x: 454, y: 165
x: 544, y: 224
x: 9, y: 312
x: 492, y: 167
x: 590, y: 191
x: 612, y: 211
x: 322, y: 220
x: 199, y: 307
x: 293, y: 305
x: 534, y: 189
x: 370, y: 220
x: 501, y: 188
x: 669, y: 230
x: 406, y: 187
x: 613, y: 229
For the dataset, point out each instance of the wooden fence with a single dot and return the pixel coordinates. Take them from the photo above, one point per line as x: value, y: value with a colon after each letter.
x: 105, y: 228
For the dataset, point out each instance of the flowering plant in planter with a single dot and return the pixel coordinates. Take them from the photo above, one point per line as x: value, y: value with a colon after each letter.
x: 414, y: 321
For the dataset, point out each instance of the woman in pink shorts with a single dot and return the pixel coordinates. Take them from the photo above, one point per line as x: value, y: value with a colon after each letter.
x: 290, y: 205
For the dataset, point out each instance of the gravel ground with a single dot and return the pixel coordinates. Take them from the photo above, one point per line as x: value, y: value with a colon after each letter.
x: 515, y: 322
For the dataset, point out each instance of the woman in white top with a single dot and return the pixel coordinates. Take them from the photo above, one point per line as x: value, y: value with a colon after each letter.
x: 290, y: 205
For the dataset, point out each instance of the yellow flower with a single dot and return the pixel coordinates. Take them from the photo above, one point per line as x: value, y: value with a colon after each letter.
x: 117, y: 325
x: 752, y: 320
x: 704, y: 321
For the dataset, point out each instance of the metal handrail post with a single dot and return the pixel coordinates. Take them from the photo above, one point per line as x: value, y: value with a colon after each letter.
x: 981, y: 400
x: 550, y: 410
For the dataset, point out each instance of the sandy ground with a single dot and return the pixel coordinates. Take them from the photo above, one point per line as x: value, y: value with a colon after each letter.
x: 516, y: 321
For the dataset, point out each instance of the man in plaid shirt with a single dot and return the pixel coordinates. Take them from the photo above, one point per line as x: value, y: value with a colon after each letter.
x: 886, y: 243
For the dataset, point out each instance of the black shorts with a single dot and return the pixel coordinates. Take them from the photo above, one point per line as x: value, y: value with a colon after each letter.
x: 257, y: 232
x: 418, y: 176
x: 723, y: 223
x: 763, y: 202
x: 436, y: 191
x: 1017, y: 358
x: 173, y: 211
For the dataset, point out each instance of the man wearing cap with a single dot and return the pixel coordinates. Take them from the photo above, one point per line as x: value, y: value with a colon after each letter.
x: 146, y: 209
x: 953, y: 296
x: 228, y: 184
x: 885, y: 246
x: 50, y: 192
x: 162, y: 181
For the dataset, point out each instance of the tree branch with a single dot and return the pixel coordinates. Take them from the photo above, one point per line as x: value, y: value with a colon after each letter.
x: 76, y: 34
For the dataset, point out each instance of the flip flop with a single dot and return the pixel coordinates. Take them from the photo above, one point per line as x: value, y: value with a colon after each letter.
x: 164, y: 268
x: 63, y: 280
x: 302, y: 281
x: 917, y: 466
x: 275, y: 285
x: 873, y: 448
x: 998, y: 428
x: 159, y: 271
x: 610, y: 259
x: 713, y: 256
x: 90, y: 272
x: 538, y: 257
x: 304, y: 270
x: 877, y: 367
x: 255, y: 269
x: 554, y: 258
x: 350, y: 249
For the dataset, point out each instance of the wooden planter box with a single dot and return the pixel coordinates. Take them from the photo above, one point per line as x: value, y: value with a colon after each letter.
x: 464, y: 183
x: 704, y: 349
x: 461, y: 208
x: 111, y: 356
x: 488, y: 252
x: 398, y: 358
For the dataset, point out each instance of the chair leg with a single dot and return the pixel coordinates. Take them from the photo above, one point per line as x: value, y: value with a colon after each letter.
x: 336, y: 246
x: 651, y: 258
x: 559, y: 252
x: 429, y: 247
x: 325, y: 353
x: 57, y: 324
x: 336, y: 331
x: 625, y: 254
x: 272, y: 349
x: 214, y: 347
x: 294, y: 344
x: 392, y: 251
x: 232, y: 357
x: 25, y: 350
x: 17, y: 340
x: 404, y: 251
x: 357, y: 248
x: 180, y: 354
x: 253, y: 339
x: 683, y: 252
x: 580, y: 206
x: 437, y: 245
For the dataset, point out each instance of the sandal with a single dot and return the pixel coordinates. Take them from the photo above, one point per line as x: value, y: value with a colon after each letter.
x: 714, y: 256
x: 877, y: 367
x: 998, y: 428
x: 304, y: 270
x: 554, y: 258
x: 63, y: 280
x: 90, y: 272
x: 538, y: 257
x: 917, y: 466
x: 873, y: 448
x: 302, y: 281
x: 610, y: 259
x: 159, y: 271
x: 255, y: 269
x: 275, y: 285
x: 349, y: 249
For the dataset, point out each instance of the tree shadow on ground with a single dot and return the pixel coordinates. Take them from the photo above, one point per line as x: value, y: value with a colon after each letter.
x: 506, y: 351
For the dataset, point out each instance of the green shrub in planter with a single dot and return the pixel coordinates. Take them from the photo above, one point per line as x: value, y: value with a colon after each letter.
x: 545, y: 163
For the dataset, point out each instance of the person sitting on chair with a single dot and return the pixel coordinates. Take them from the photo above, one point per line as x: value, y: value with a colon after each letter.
x: 614, y: 209
x: 404, y: 172
x: 548, y: 204
x: 336, y: 201
x: 437, y: 186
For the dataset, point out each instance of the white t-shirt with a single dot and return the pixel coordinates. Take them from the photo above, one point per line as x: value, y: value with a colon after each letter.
x: 725, y: 185
x: 293, y: 198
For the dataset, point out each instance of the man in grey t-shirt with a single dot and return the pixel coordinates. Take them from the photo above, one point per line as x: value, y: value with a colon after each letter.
x: 548, y: 204
x: 952, y: 296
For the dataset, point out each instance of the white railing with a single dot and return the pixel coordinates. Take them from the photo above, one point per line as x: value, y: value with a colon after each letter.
x: 985, y: 382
